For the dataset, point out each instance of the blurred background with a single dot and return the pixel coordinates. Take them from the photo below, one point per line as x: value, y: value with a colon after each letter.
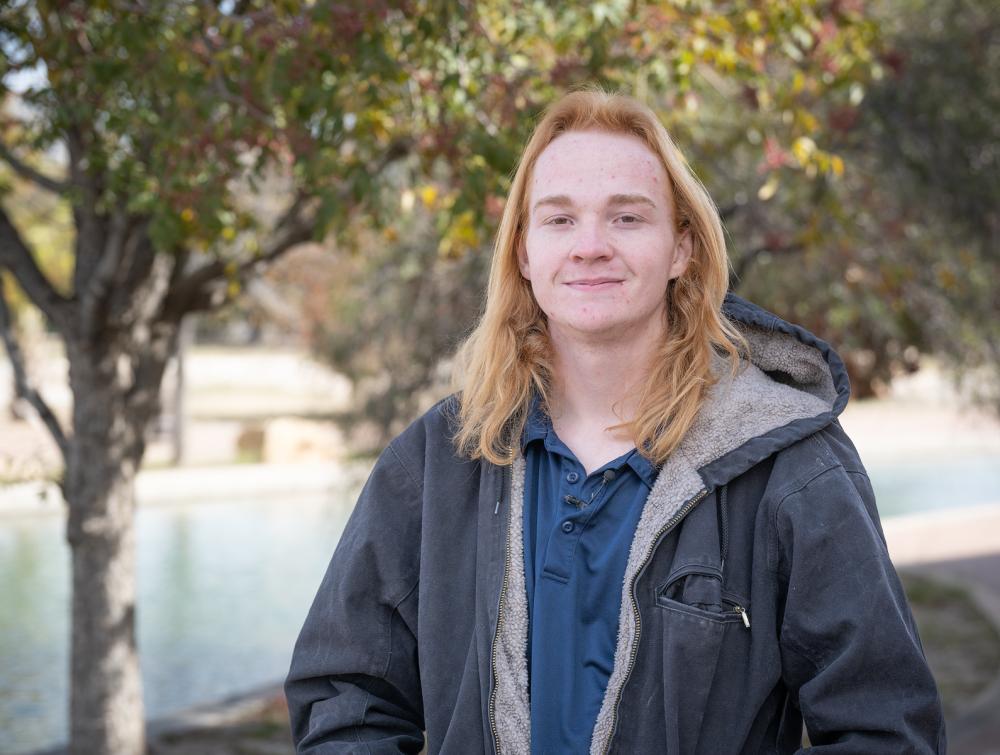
x: 239, y: 241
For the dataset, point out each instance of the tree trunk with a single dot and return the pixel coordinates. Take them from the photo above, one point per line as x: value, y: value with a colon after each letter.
x: 116, y: 395
x: 106, y: 707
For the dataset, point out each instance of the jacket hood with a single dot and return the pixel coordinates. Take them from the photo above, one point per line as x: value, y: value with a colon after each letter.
x: 793, y: 386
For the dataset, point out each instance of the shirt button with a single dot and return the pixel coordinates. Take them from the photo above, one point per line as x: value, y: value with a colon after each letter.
x: 572, y: 477
x: 567, y: 526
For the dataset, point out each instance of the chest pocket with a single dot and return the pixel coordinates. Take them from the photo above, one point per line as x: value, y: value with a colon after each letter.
x: 697, y: 591
x: 694, y: 586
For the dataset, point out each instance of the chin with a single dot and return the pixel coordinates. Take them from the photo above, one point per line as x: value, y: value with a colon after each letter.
x: 597, y: 326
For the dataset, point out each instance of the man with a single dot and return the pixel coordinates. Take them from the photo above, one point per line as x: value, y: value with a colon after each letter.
x: 638, y: 526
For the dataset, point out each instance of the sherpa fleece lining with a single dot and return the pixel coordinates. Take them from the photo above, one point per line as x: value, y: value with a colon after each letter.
x: 735, y: 411
x: 511, y: 707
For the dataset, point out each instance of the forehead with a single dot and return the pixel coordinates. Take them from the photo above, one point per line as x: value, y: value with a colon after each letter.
x: 590, y: 164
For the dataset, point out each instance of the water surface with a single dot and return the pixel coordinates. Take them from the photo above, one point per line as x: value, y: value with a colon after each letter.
x: 223, y: 590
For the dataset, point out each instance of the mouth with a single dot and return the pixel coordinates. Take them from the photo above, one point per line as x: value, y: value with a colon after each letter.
x: 593, y: 284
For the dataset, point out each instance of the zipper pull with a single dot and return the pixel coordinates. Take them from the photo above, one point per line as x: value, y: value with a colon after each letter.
x: 743, y: 615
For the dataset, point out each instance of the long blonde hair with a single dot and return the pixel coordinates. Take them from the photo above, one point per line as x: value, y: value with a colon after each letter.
x: 508, y: 356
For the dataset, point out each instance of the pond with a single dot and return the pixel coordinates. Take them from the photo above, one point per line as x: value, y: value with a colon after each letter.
x: 224, y: 587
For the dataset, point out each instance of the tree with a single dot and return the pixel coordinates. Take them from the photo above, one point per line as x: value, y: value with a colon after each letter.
x: 755, y: 94
x: 167, y: 117
x: 906, y: 250
x: 850, y: 148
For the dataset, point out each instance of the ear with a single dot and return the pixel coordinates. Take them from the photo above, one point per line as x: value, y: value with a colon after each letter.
x: 522, y: 259
x: 683, y: 248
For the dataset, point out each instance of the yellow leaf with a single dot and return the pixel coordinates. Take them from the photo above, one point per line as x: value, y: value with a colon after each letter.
x: 769, y: 188
x: 727, y: 59
x: 461, y: 235
x: 428, y: 194
x: 808, y: 121
x: 837, y: 165
x: 802, y: 148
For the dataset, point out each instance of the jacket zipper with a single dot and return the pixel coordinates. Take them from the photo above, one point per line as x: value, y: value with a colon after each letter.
x: 743, y: 614
x: 496, y: 633
x: 683, y: 512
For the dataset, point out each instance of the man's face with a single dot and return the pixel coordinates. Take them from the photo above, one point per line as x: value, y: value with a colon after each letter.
x: 600, y: 244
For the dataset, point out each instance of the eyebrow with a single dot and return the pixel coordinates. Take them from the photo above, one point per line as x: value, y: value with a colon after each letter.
x: 616, y: 200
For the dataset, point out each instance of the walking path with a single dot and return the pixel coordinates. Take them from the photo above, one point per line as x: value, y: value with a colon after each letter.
x: 959, y: 547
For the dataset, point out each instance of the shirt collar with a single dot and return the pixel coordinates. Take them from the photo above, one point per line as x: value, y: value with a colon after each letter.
x: 643, y: 467
x: 538, y: 426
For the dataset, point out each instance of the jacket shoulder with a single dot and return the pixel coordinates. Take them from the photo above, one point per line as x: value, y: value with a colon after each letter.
x: 819, y: 484
x: 429, y: 439
x: 828, y: 450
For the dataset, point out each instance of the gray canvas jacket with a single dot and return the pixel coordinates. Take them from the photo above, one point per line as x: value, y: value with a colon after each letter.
x: 758, y: 592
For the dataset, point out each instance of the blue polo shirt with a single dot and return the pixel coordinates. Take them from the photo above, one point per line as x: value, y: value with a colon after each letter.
x: 578, y: 529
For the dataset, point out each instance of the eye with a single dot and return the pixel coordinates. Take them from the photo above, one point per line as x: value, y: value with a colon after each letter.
x: 630, y: 219
x: 557, y: 220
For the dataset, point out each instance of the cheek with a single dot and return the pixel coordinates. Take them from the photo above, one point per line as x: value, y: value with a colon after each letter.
x: 532, y: 263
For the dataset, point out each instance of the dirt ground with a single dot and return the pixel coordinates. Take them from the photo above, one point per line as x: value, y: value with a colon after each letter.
x: 261, y: 730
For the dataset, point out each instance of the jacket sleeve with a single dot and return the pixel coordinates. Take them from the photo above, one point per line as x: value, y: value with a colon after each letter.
x: 353, y: 685
x: 849, y: 645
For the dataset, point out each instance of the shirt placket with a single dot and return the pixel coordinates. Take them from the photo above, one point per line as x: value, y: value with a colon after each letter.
x: 576, y: 496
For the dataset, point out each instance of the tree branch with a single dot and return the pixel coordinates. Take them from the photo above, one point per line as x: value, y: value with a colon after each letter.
x: 98, y: 289
x: 744, y: 263
x: 727, y: 211
x: 21, y: 385
x: 16, y: 257
x: 132, y: 275
x: 199, y: 289
x: 26, y: 172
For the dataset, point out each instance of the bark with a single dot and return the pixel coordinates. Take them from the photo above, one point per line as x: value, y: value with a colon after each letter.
x: 115, y: 385
x: 106, y: 710
x: 106, y: 707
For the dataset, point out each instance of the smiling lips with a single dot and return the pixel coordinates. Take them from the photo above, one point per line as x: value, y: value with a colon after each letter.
x: 593, y: 284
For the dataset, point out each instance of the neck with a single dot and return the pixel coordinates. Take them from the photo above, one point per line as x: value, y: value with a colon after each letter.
x: 596, y: 381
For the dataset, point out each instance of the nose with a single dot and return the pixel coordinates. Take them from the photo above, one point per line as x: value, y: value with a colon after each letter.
x: 591, y: 243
